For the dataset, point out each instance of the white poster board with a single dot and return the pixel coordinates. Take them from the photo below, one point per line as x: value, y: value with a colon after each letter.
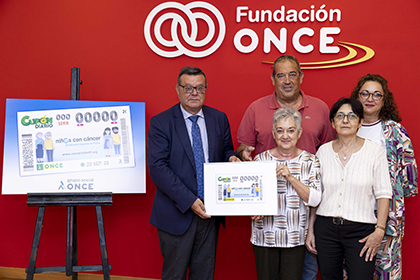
x: 240, y: 188
x: 54, y: 146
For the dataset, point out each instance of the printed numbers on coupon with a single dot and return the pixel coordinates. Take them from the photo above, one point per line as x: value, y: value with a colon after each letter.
x: 96, y: 116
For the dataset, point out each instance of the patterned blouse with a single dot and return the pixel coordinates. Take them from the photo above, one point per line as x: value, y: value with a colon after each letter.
x: 403, y: 172
x: 289, y: 228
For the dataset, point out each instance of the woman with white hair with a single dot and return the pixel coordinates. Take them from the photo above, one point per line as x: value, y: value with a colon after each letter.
x: 279, y: 241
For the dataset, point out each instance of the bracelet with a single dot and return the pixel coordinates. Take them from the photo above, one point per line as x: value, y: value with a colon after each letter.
x: 381, y: 227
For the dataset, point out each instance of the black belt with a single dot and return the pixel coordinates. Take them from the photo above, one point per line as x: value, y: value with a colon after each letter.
x: 340, y: 221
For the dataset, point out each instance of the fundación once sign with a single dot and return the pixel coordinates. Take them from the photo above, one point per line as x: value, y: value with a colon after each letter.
x: 184, y: 21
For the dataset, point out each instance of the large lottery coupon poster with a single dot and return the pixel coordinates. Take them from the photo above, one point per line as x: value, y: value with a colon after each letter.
x: 74, y: 146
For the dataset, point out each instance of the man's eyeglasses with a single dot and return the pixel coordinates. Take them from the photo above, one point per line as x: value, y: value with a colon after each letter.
x: 351, y: 117
x: 377, y: 95
x: 190, y: 89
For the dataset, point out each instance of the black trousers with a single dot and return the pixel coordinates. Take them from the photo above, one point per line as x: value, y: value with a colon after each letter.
x: 194, y: 250
x: 279, y: 263
x: 338, y: 242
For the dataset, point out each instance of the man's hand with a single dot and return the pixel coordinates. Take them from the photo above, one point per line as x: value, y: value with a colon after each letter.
x: 199, y: 209
x: 234, y: 159
x: 245, y: 152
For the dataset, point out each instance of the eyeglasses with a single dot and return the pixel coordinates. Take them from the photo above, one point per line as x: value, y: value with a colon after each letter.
x: 377, y: 95
x: 190, y: 89
x: 350, y: 117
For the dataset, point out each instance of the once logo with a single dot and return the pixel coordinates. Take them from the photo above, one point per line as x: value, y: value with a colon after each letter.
x: 190, y: 39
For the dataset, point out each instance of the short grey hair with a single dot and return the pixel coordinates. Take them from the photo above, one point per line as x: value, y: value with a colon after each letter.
x: 285, y: 113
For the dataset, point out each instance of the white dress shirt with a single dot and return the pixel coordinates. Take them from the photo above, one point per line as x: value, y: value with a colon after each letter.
x: 203, y: 130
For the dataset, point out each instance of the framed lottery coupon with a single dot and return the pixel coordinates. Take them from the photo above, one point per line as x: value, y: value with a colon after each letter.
x: 240, y: 188
x: 74, y: 146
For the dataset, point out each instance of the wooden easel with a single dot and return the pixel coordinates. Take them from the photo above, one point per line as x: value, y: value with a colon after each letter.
x: 71, y: 200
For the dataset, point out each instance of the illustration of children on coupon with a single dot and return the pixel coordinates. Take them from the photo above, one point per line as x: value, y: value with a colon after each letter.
x: 257, y: 189
x: 107, y: 141
x: 228, y: 190
x: 49, y: 146
x: 39, y: 144
x: 116, y: 140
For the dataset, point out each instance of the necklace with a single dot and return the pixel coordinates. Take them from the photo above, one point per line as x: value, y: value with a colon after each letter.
x: 341, y: 149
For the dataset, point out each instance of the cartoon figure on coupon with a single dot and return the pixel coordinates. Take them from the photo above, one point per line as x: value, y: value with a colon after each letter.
x: 228, y: 190
x: 107, y: 141
x: 49, y: 146
x: 39, y: 144
x: 224, y: 190
x: 116, y: 141
x: 252, y: 190
x: 257, y: 189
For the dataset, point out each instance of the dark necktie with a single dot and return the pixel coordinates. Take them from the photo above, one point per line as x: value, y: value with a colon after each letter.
x: 198, y: 155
